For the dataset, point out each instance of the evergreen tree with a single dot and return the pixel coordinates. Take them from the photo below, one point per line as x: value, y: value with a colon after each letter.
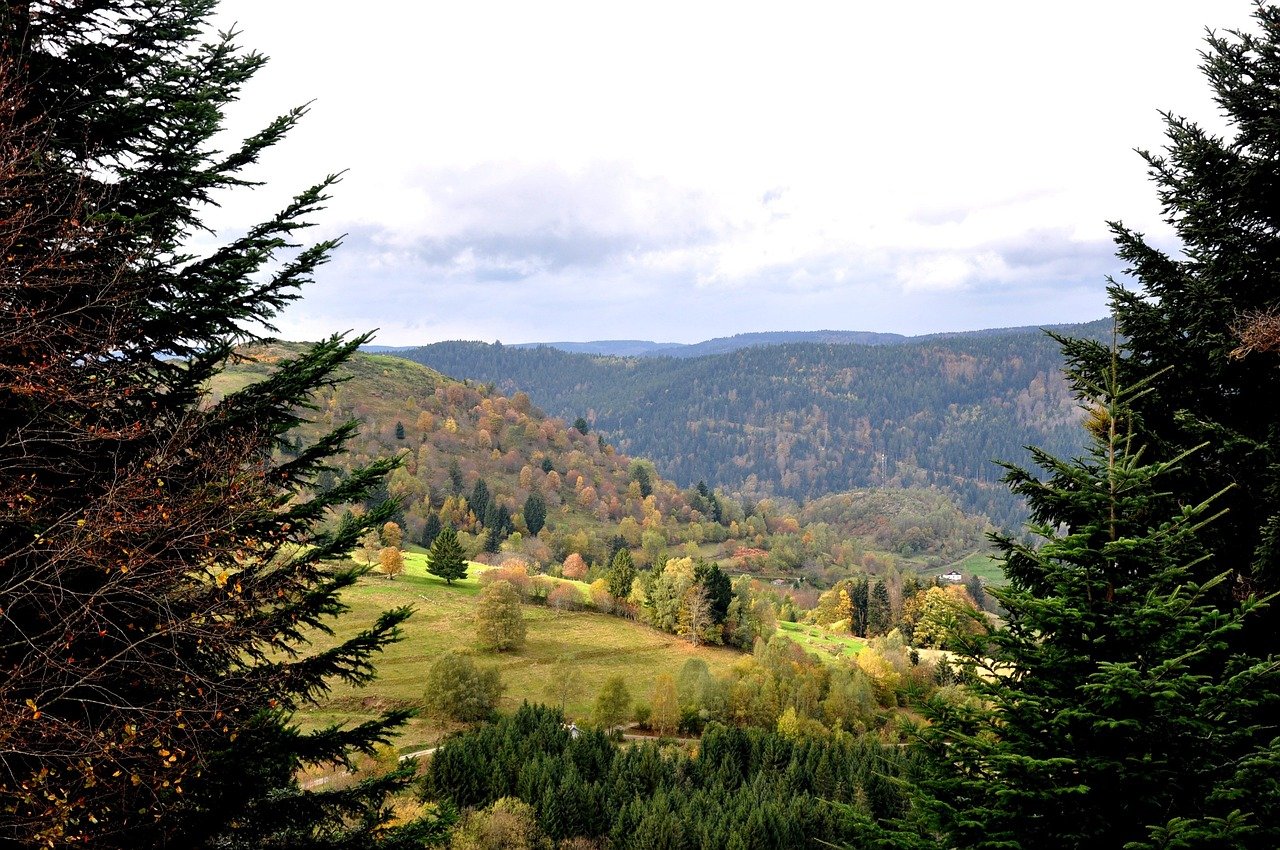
x: 977, y: 591
x: 430, y: 529
x: 581, y: 425
x: 622, y: 572
x: 859, y: 599
x: 879, y: 611
x: 399, y: 430
x: 493, y: 539
x: 641, y: 472
x: 718, y: 587
x: 160, y: 550
x: 446, y: 558
x: 535, y: 513
x: 503, y: 521
x: 455, y: 477
x: 1112, y: 710
x: 1181, y: 324
x: 480, y: 501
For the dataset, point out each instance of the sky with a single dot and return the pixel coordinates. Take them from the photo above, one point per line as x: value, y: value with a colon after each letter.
x: 681, y: 171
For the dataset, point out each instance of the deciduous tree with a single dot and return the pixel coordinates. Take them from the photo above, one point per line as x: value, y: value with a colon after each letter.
x: 564, y: 681
x: 574, y: 567
x: 664, y: 715
x: 458, y: 689
x: 563, y: 597
x: 391, y: 561
x: 613, y: 704
x: 499, y: 620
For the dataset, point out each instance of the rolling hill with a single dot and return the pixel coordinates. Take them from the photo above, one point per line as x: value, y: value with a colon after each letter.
x: 451, y: 435
x: 805, y: 419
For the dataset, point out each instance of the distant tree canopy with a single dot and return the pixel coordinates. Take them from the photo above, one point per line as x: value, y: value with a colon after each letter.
x: 809, y: 419
x: 744, y: 788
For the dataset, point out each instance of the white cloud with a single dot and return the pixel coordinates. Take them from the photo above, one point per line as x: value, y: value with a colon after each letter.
x: 717, y: 167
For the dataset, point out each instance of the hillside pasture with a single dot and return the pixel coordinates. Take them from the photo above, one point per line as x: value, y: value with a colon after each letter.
x: 824, y: 643
x: 597, y: 645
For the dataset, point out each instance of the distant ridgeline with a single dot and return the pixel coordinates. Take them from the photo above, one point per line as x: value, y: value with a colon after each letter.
x: 804, y: 419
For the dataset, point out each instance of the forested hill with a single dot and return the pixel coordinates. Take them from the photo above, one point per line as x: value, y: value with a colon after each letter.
x: 725, y: 344
x: 803, y: 420
x: 719, y: 345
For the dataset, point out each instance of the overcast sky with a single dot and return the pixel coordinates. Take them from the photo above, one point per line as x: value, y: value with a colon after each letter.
x: 681, y: 171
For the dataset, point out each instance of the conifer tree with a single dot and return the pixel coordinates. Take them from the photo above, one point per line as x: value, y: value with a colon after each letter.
x: 1112, y: 710
x: 1181, y: 323
x: 430, y: 529
x: 160, y: 552
x: 480, y: 501
x: 446, y: 558
x: 879, y: 610
x: 535, y: 513
x: 622, y: 572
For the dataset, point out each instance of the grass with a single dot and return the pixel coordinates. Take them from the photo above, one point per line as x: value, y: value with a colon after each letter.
x: 825, y: 644
x: 599, y: 645
x: 980, y: 564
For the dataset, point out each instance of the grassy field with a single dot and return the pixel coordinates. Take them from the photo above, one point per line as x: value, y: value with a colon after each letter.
x: 599, y: 646
x: 979, y: 564
x: 823, y: 643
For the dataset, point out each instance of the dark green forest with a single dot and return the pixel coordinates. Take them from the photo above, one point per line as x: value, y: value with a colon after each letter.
x: 746, y: 789
x: 805, y: 420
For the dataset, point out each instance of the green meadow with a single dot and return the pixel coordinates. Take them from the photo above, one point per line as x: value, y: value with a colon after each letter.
x: 597, y: 645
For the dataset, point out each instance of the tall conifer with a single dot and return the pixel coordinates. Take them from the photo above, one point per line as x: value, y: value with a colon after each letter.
x: 1130, y: 700
x: 1182, y: 322
x: 446, y: 558
x: 1112, y: 708
x: 160, y: 555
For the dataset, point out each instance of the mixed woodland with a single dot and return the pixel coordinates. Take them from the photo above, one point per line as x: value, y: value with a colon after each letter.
x: 803, y: 420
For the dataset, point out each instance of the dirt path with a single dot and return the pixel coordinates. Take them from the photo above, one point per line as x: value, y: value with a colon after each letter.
x: 321, y: 781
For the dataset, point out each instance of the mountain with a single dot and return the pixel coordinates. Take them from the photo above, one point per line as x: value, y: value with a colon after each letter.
x: 720, y: 345
x: 725, y: 344
x: 805, y: 419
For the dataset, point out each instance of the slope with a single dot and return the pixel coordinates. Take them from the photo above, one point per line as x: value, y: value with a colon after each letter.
x: 804, y: 420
